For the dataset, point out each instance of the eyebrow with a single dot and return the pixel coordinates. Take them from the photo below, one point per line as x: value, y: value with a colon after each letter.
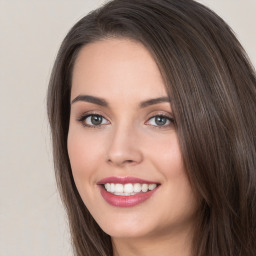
x: 150, y: 102
x: 102, y: 102
x: 91, y: 99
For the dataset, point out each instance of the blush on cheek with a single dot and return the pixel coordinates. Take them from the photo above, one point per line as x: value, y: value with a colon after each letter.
x: 83, y: 157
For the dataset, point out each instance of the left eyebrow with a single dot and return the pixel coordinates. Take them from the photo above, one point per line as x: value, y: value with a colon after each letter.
x: 150, y: 102
x: 91, y: 99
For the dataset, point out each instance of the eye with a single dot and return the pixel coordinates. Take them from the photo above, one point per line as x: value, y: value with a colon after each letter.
x: 93, y: 120
x: 160, y: 121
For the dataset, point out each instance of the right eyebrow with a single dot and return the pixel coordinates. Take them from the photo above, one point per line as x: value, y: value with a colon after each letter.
x: 91, y: 99
x: 154, y: 101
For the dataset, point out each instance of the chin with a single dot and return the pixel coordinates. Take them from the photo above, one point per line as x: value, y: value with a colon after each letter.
x: 135, y: 232
x: 126, y: 227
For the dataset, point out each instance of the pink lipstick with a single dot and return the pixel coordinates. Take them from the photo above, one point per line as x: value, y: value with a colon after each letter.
x: 126, y: 191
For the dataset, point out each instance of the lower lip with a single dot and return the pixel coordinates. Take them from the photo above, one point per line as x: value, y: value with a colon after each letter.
x: 126, y: 201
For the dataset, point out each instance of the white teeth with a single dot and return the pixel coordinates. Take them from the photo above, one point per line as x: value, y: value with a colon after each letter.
x: 119, y: 188
x: 128, y: 188
x: 137, y: 187
x: 144, y: 187
x: 107, y: 187
x: 151, y: 186
x: 112, y: 187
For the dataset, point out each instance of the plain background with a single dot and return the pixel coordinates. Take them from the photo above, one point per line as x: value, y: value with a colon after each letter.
x: 32, y: 220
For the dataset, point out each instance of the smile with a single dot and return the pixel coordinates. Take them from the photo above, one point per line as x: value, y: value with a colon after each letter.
x: 126, y: 191
x: 129, y: 188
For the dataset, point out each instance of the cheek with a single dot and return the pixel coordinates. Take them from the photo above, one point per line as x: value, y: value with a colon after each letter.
x: 167, y: 159
x: 84, y: 153
x: 166, y: 156
x: 173, y: 169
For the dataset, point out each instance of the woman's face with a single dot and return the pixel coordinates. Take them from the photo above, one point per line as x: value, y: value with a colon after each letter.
x: 123, y: 145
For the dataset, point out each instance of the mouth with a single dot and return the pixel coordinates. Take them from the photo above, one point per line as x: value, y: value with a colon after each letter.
x: 126, y: 191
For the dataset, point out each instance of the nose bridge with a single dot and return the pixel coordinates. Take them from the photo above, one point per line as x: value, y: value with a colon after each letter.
x: 123, y: 147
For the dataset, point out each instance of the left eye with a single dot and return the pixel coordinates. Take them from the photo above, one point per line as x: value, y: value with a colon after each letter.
x: 94, y: 120
x: 160, y: 121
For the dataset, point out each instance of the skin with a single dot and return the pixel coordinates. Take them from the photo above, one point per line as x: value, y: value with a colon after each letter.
x: 129, y: 142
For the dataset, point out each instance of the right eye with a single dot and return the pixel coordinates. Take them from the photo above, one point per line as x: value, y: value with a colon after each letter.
x: 93, y: 120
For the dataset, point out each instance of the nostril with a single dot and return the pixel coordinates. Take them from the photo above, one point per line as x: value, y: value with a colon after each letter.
x: 120, y: 161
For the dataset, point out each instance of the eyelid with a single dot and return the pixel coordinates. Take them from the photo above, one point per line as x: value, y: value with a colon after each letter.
x: 161, y: 114
x: 85, y: 115
x: 167, y: 115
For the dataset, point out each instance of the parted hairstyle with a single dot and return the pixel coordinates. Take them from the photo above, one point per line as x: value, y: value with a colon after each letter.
x: 212, y: 87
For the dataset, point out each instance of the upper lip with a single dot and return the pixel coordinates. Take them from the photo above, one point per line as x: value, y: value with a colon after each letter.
x: 124, y: 180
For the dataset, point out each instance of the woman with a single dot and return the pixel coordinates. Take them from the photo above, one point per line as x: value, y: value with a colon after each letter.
x: 152, y: 107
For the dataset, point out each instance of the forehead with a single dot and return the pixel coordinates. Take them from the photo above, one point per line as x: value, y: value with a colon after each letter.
x: 116, y: 67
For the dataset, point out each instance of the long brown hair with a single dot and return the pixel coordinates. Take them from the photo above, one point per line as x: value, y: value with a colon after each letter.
x: 212, y: 86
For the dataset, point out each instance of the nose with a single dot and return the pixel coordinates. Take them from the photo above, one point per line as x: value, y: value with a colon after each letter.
x: 124, y: 148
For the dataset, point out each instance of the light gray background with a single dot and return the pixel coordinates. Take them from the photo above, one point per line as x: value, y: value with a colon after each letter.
x: 32, y: 221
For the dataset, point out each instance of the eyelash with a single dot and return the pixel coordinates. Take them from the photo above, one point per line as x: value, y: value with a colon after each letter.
x: 168, y: 118
x: 85, y: 116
